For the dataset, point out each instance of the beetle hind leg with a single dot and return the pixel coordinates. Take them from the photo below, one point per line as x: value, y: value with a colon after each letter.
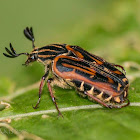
x: 121, y: 68
x: 121, y: 106
x: 98, y: 100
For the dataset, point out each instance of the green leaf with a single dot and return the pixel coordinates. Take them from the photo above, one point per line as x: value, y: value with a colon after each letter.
x: 3, y: 137
x: 6, y: 86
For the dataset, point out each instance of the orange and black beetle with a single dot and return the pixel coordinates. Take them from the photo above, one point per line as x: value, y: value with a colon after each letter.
x: 72, y: 66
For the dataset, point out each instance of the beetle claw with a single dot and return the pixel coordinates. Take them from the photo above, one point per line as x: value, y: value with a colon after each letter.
x: 110, y: 106
x: 60, y: 115
x: 35, y: 107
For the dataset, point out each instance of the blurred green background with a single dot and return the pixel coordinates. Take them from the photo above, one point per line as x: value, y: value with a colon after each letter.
x: 108, y: 28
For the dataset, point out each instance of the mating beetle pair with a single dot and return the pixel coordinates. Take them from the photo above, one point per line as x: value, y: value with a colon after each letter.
x: 72, y: 66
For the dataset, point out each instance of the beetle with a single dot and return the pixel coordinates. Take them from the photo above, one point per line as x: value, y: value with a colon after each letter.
x: 72, y: 66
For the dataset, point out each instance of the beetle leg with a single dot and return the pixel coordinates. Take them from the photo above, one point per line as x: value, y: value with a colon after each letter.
x: 121, y: 106
x: 106, y: 105
x: 40, y: 88
x: 98, y: 100
x: 121, y: 68
x: 52, y: 96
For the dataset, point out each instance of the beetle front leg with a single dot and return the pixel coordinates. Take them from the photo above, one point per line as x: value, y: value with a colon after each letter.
x: 52, y: 95
x: 40, y: 88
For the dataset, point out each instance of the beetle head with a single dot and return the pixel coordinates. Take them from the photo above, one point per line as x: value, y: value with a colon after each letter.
x: 31, y: 58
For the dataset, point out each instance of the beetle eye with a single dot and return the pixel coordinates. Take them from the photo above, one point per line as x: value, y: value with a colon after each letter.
x: 33, y: 57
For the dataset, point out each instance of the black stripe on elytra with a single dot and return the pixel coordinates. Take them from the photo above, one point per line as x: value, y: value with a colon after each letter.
x: 97, y: 77
x: 82, y: 73
x: 62, y: 61
x: 87, y: 55
x: 75, y: 63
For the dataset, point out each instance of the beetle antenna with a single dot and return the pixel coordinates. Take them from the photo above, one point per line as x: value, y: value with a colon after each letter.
x: 28, y: 32
x: 12, y: 53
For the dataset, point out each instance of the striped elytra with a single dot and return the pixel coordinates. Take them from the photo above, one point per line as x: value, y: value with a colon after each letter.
x: 86, y: 78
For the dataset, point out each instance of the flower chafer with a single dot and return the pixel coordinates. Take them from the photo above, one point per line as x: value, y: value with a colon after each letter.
x: 72, y: 66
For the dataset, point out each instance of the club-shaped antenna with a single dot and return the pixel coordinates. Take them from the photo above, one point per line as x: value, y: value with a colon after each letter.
x: 28, y: 32
x: 12, y: 53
